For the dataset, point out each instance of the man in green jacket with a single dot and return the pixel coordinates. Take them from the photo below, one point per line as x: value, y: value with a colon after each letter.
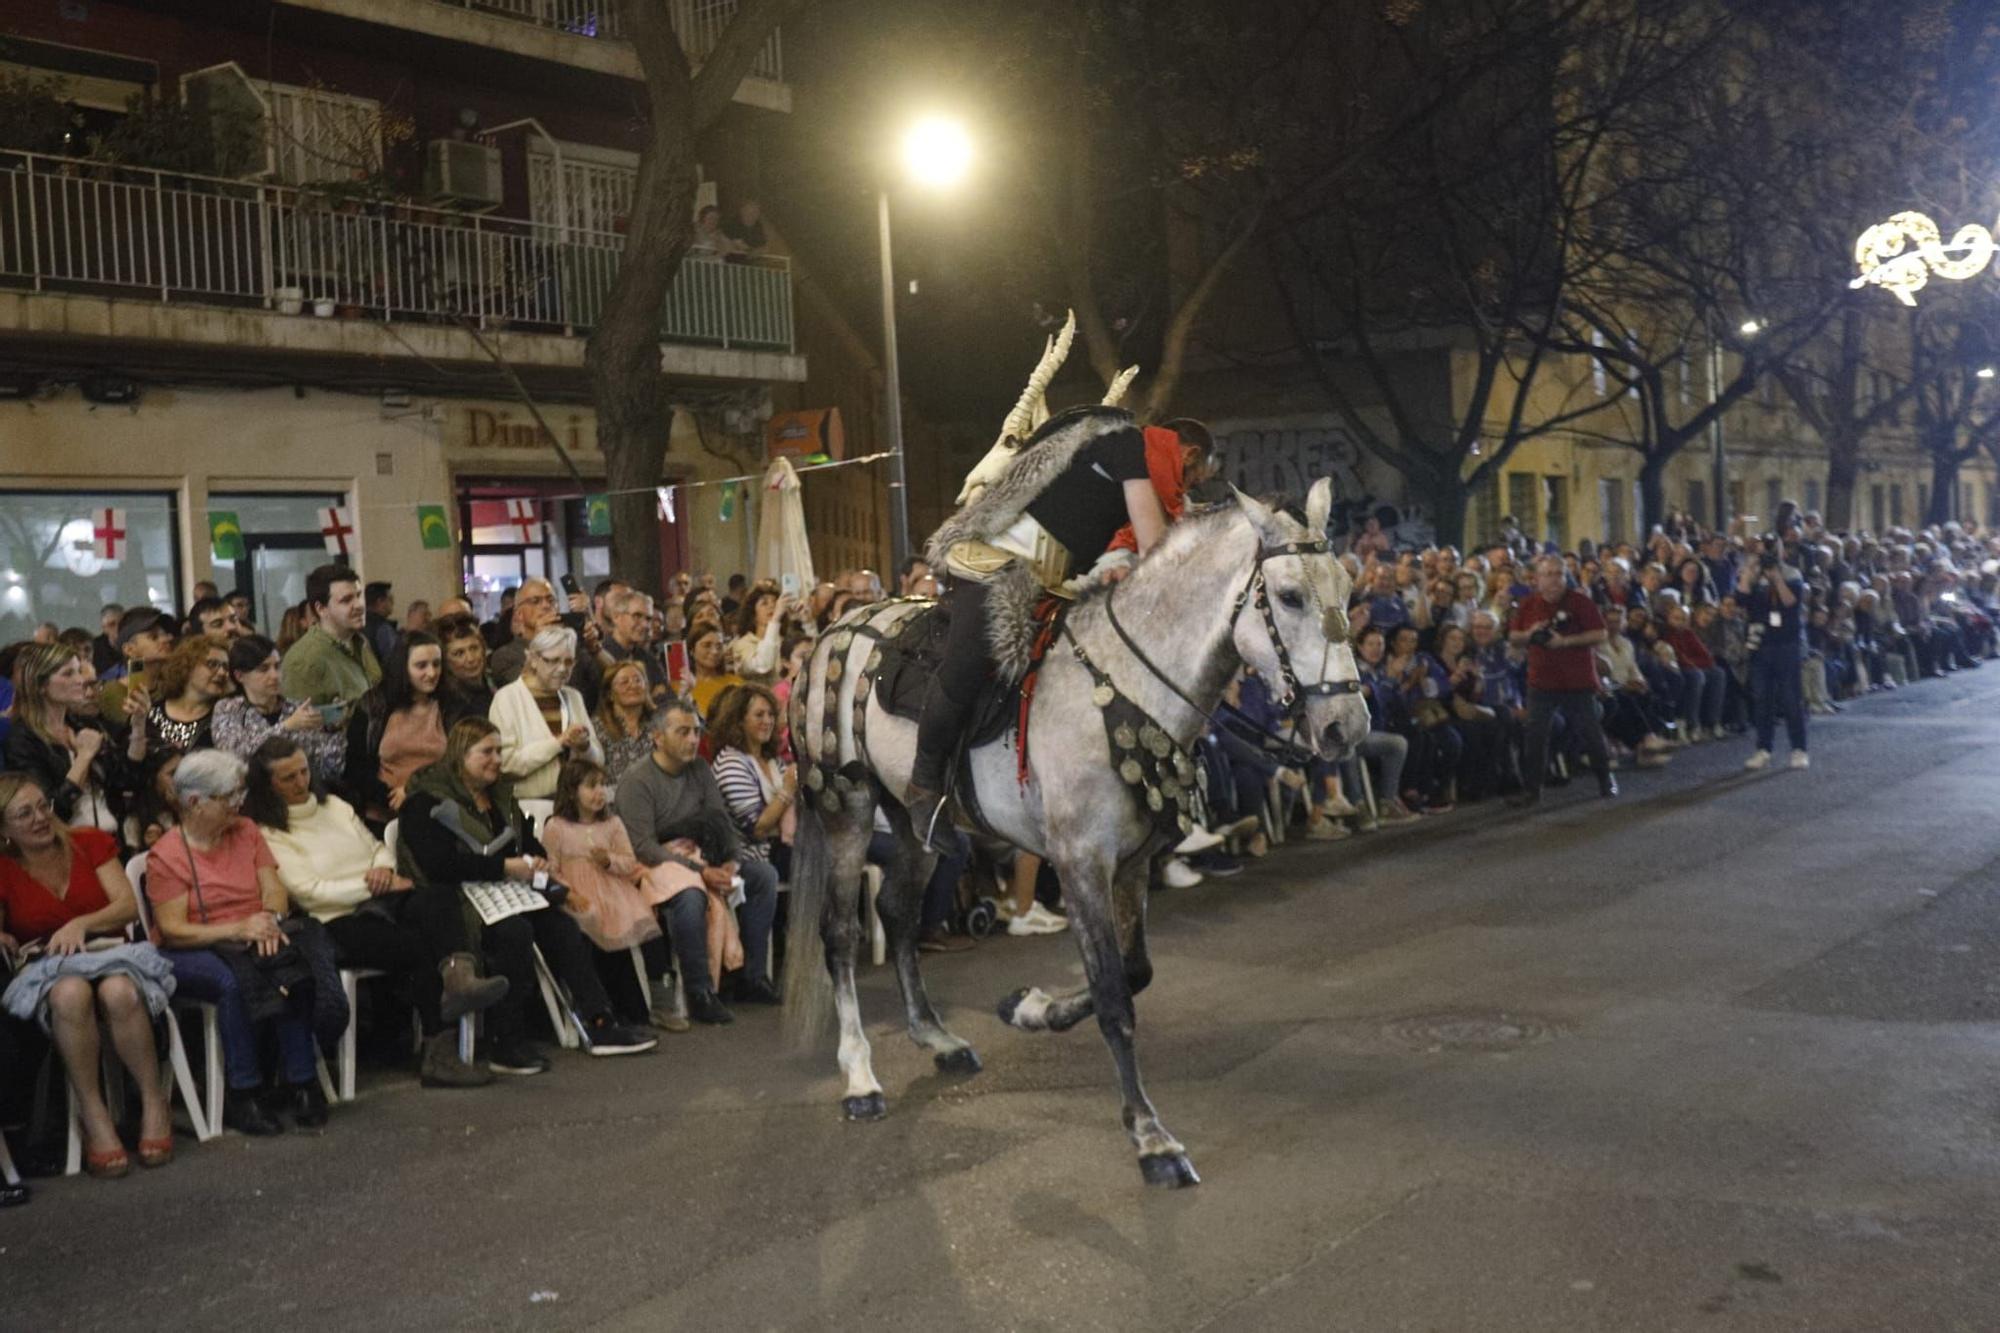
x: 331, y: 662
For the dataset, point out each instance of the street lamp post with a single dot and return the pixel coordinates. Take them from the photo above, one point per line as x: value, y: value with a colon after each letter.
x: 936, y: 153
x: 1718, y: 463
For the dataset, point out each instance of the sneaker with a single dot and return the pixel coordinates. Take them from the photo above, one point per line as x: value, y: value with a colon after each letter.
x: 666, y: 1010
x: 1178, y: 874
x: 939, y: 940
x: 1340, y: 809
x: 1048, y: 916
x: 754, y: 990
x: 1217, y: 863
x: 1799, y: 759
x: 1653, y: 744
x: 1323, y: 829
x: 1654, y: 759
x: 518, y: 1058
x: 604, y: 1037
x: 1242, y: 828
x: 1199, y: 840
x: 1027, y: 923
x: 705, y: 1006
x: 1758, y: 761
x: 1395, y: 812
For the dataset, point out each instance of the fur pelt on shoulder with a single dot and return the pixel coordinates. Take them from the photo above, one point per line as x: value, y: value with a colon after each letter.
x: 1047, y: 453
x: 1011, y: 598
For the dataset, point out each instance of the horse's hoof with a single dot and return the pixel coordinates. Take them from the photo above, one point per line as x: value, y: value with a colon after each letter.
x: 961, y: 1061
x: 870, y: 1107
x: 1008, y: 1006
x: 1168, y: 1170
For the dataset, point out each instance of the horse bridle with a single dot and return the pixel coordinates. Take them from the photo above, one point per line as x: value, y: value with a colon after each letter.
x: 1296, y: 692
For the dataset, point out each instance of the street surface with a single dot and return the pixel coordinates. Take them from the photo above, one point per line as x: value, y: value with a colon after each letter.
x: 1722, y: 1054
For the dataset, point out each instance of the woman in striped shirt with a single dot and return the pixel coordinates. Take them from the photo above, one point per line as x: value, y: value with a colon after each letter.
x: 756, y: 786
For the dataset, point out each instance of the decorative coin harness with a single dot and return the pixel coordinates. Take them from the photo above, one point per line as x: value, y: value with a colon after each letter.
x: 1148, y: 761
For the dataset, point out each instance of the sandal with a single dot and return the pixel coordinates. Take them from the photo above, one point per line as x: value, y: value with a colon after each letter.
x: 107, y: 1165
x: 156, y: 1152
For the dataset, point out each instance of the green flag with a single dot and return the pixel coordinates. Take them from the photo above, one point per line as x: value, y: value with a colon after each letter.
x: 728, y: 501
x: 597, y: 514
x: 433, y: 528
x: 225, y: 534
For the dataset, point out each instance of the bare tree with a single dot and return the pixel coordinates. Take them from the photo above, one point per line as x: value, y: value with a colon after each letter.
x: 623, y: 355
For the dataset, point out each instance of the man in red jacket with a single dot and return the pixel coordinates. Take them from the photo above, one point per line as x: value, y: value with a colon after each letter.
x: 1560, y: 626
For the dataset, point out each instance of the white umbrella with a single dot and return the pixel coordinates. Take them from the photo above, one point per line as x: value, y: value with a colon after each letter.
x: 783, y: 554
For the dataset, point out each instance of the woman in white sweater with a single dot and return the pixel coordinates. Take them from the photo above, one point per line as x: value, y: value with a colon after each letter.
x: 542, y: 720
x: 334, y: 868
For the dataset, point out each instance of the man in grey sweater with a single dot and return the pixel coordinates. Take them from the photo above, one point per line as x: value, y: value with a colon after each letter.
x: 671, y: 796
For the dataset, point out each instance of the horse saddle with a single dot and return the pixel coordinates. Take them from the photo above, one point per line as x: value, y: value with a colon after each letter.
x: 913, y: 655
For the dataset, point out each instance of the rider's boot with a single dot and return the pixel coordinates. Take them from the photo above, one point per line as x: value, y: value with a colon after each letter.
x: 938, y: 731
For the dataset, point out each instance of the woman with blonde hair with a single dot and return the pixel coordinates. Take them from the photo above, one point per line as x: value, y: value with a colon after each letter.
x: 87, y: 777
x: 621, y: 717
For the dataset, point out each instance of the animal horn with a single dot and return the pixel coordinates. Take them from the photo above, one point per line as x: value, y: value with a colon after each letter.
x: 1116, y: 393
x: 1022, y: 421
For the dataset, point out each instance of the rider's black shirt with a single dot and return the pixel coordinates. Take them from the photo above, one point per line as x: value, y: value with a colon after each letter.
x: 1085, y: 506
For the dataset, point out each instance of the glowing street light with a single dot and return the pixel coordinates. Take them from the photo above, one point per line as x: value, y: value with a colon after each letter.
x: 937, y: 154
x: 1750, y: 328
x: 1985, y: 372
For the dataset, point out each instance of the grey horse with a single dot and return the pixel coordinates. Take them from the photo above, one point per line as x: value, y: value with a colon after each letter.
x: 1239, y: 583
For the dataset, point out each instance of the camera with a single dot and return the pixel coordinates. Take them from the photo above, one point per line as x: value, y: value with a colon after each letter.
x: 1559, y: 624
x: 1772, y: 552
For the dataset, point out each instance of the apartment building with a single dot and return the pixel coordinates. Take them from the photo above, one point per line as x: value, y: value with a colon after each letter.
x: 310, y: 270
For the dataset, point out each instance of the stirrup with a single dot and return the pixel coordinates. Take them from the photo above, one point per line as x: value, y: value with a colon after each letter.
x: 925, y: 823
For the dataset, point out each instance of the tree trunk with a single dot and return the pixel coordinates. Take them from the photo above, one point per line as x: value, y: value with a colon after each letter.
x: 1945, y: 464
x: 1843, y: 471
x: 1652, y: 494
x: 1445, y: 500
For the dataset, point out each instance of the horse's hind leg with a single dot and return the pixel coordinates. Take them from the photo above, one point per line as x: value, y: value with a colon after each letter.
x: 1033, y: 1011
x: 1162, y: 1159
x: 840, y: 928
x: 901, y: 907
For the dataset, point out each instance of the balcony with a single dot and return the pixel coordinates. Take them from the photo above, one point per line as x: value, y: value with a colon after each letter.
x: 136, y: 235
x: 582, y: 33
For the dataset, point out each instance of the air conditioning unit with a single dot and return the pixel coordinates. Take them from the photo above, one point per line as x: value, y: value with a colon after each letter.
x: 462, y: 174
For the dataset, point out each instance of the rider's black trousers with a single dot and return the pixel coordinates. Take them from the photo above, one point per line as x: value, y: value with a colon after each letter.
x: 967, y: 666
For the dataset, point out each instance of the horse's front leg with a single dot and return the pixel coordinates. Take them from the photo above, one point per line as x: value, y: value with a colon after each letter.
x: 840, y: 928
x: 901, y: 906
x: 1162, y: 1159
x: 1033, y: 1010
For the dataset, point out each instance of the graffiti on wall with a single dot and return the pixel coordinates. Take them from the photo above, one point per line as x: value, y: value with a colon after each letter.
x: 1284, y: 458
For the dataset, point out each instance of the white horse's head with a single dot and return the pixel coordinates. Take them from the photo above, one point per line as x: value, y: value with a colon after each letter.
x: 1292, y: 628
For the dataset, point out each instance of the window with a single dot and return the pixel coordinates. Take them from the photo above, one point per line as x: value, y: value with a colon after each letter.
x: 318, y: 136
x: 596, y: 183
x: 1737, y: 499
x: 1611, y: 508
x: 51, y: 570
x: 1895, y: 504
x: 1555, y: 510
x: 1486, y: 509
x: 1684, y: 370
x: 1774, y: 494
x: 282, y: 543
x: 1813, y: 496
x: 1697, y: 500
x: 1521, y: 504
x: 1923, y: 501
x: 1878, y: 514
x: 1598, y: 379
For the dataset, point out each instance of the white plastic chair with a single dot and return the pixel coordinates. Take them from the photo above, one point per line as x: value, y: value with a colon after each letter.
x: 205, y: 1112
x: 878, y: 938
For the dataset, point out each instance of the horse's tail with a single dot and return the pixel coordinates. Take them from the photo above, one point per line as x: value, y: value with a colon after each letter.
x: 808, y: 985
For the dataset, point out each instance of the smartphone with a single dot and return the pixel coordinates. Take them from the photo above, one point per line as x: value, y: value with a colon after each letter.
x: 677, y: 662
x: 331, y: 712
x: 788, y: 585
x: 569, y: 585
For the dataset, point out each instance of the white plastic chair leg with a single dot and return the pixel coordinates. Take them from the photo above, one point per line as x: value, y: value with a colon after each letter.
x: 8, y: 1174
x: 468, y: 1038
x: 350, y: 982
x: 217, y: 1084
x: 878, y: 938
x: 559, y: 1017
x: 1368, y: 792
x: 183, y: 1076
x: 639, y: 970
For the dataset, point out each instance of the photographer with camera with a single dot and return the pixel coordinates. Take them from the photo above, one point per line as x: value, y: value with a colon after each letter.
x: 1773, y: 594
x: 1560, y: 627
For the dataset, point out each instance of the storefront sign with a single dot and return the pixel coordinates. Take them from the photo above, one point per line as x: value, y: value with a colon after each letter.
x: 486, y: 428
x: 815, y: 434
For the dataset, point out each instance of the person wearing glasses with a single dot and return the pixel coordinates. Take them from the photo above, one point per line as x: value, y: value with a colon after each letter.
x: 535, y: 610
x: 187, y: 686
x: 543, y: 721
x: 214, y: 888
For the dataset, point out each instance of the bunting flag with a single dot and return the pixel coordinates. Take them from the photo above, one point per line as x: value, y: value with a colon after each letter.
x: 597, y: 515
x: 433, y: 528
x: 728, y: 510
x: 526, y: 515
x: 666, y: 498
x: 107, y: 535
x: 225, y: 534
x: 336, y: 527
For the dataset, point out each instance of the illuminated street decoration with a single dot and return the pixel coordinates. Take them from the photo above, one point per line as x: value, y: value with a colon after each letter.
x: 1903, y: 253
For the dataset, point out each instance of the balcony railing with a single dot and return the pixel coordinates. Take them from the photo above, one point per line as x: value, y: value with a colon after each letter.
x: 699, y: 23
x: 76, y: 226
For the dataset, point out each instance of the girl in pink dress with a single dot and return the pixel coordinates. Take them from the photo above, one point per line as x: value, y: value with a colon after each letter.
x: 611, y: 895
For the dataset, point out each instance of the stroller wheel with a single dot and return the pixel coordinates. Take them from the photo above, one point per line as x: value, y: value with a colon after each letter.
x: 981, y: 917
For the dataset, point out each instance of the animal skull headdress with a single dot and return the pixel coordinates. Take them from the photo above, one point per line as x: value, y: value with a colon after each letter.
x: 1032, y: 410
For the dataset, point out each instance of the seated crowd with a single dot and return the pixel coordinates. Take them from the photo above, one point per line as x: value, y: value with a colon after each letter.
x: 191, y: 811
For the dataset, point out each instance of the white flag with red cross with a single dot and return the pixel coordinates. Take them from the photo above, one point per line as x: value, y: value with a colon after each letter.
x: 526, y: 515
x: 107, y: 535
x: 335, y: 528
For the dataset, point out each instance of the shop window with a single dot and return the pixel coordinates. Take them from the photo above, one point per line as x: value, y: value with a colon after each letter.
x: 1773, y: 494
x: 50, y: 569
x: 1813, y: 495
x: 1697, y: 500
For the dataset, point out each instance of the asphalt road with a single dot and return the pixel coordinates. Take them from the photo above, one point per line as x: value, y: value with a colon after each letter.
x: 1722, y: 1054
